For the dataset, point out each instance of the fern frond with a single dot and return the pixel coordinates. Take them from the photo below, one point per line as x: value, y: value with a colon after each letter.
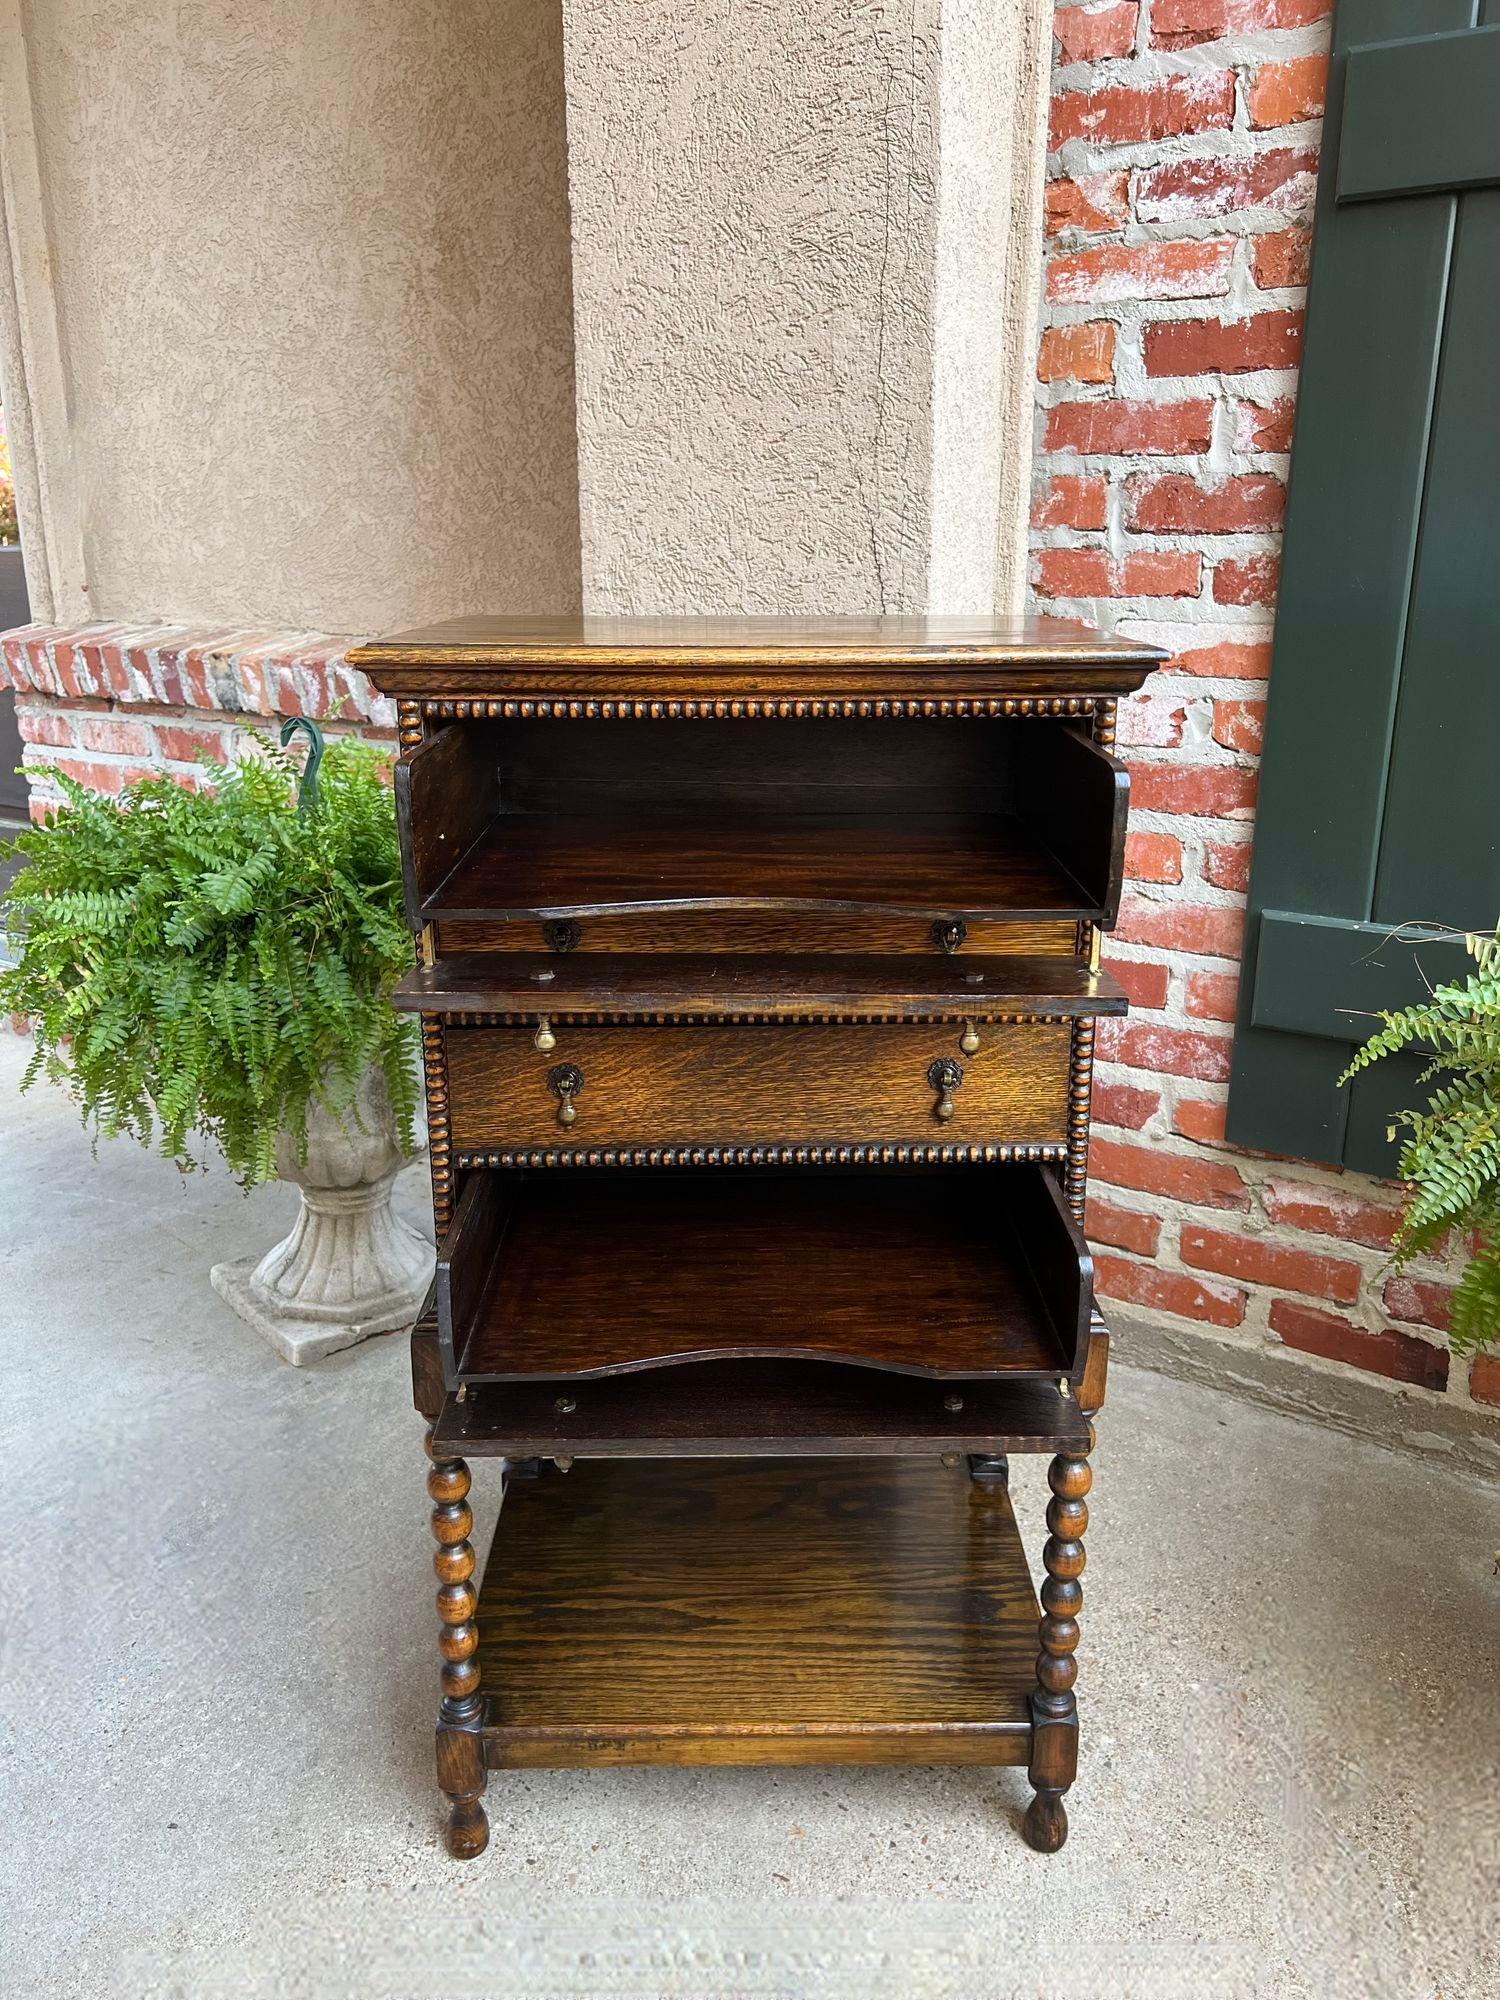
x: 199, y: 966
x: 1450, y: 1153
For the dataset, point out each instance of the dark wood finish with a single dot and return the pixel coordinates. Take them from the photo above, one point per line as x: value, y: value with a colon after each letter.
x: 754, y: 962
x: 428, y: 1377
x: 1091, y: 1389
x: 734, y: 657
x: 447, y: 792
x: 976, y: 1272
x: 470, y: 1249
x: 757, y: 1409
x: 689, y: 933
x: 1054, y: 1709
x: 460, y: 1756
x: 765, y: 986
x: 768, y: 767
x: 509, y: 819
x: 784, y: 1084
x: 767, y: 1612
x: 1074, y: 798
x: 533, y: 866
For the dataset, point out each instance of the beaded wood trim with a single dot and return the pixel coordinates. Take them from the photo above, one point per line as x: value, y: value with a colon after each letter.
x: 780, y: 708
x: 1106, y: 713
x: 439, y: 1135
x: 409, y: 724
x: 623, y: 1017
x: 759, y: 1156
x: 1080, y: 1085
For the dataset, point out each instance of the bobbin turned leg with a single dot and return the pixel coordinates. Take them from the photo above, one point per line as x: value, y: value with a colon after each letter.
x: 1054, y: 1712
x: 460, y: 1747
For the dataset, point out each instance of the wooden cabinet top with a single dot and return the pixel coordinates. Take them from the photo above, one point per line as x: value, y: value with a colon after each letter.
x: 734, y: 655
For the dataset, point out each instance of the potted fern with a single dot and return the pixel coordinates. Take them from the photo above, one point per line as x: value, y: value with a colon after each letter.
x: 215, y: 966
x: 1450, y: 1153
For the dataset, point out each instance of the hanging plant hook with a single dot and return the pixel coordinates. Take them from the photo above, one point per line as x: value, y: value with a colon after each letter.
x: 307, y: 784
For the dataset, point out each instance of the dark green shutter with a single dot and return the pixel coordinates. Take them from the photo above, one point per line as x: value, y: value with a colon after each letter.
x: 1379, y: 812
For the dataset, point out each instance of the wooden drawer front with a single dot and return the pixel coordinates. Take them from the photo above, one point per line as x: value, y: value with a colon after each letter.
x: 761, y: 931
x: 779, y: 1085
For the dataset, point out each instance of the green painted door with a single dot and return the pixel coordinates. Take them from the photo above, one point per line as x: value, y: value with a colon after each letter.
x: 1378, y: 824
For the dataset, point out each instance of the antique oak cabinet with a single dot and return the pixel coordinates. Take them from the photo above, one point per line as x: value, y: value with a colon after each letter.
x: 758, y: 979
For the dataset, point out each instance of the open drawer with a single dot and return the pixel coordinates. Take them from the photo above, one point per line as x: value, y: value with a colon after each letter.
x: 963, y: 1272
x: 577, y: 823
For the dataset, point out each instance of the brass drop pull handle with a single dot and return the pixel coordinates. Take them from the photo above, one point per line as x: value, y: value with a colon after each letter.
x: 565, y: 1081
x: 544, y: 1039
x: 948, y: 933
x: 968, y: 1041
x: 944, y: 1075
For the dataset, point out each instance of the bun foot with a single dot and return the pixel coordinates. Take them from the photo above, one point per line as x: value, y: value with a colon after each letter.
x: 468, y: 1833
x: 1045, y: 1826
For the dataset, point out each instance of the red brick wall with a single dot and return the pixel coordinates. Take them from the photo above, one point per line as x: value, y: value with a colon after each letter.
x: 1184, y: 138
x: 108, y: 703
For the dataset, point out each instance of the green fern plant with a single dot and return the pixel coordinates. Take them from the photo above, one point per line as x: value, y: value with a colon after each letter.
x: 1450, y: 1154
x: 205, y: 963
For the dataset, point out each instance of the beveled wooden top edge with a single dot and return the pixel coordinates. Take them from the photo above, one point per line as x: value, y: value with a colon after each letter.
x: 591, y: 643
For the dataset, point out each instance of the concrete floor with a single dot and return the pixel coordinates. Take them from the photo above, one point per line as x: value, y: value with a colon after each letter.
x: 219, y: 1679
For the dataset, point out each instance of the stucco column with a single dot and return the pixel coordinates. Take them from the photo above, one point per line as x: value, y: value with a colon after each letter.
x: 805, y: 242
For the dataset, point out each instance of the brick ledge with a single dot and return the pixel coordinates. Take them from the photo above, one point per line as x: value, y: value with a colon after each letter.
x: 193, y: 667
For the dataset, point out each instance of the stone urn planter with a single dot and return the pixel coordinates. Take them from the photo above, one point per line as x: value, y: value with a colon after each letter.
x: 350, y: 1266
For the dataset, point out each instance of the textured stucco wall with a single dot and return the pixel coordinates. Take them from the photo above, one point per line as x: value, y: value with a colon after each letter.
x: 753, y: 188
x: 794, y: 299
x: 309, y: 270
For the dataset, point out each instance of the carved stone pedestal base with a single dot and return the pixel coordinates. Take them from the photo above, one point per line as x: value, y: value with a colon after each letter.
x: 351, y: 1266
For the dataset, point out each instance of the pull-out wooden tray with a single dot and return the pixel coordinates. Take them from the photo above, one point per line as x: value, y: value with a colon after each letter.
x: 955, y: 1273
x: 580, y: 986
x: 758, y: 1409
x: 756, y: 1612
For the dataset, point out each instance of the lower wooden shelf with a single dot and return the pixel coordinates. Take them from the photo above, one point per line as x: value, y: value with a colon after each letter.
x: 770, y: 1611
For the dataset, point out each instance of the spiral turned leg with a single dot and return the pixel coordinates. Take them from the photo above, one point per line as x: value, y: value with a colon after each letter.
x: 460, y: 1747
x: 1054, y: 1712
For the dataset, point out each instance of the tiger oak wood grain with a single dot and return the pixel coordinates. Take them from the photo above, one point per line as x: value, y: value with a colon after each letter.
x: 946, y: 1272
x: 756, y: 1612
x: 788, y: 1083
x: 692, y: 932
x: 668, y: 658
x: 637, y: 808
